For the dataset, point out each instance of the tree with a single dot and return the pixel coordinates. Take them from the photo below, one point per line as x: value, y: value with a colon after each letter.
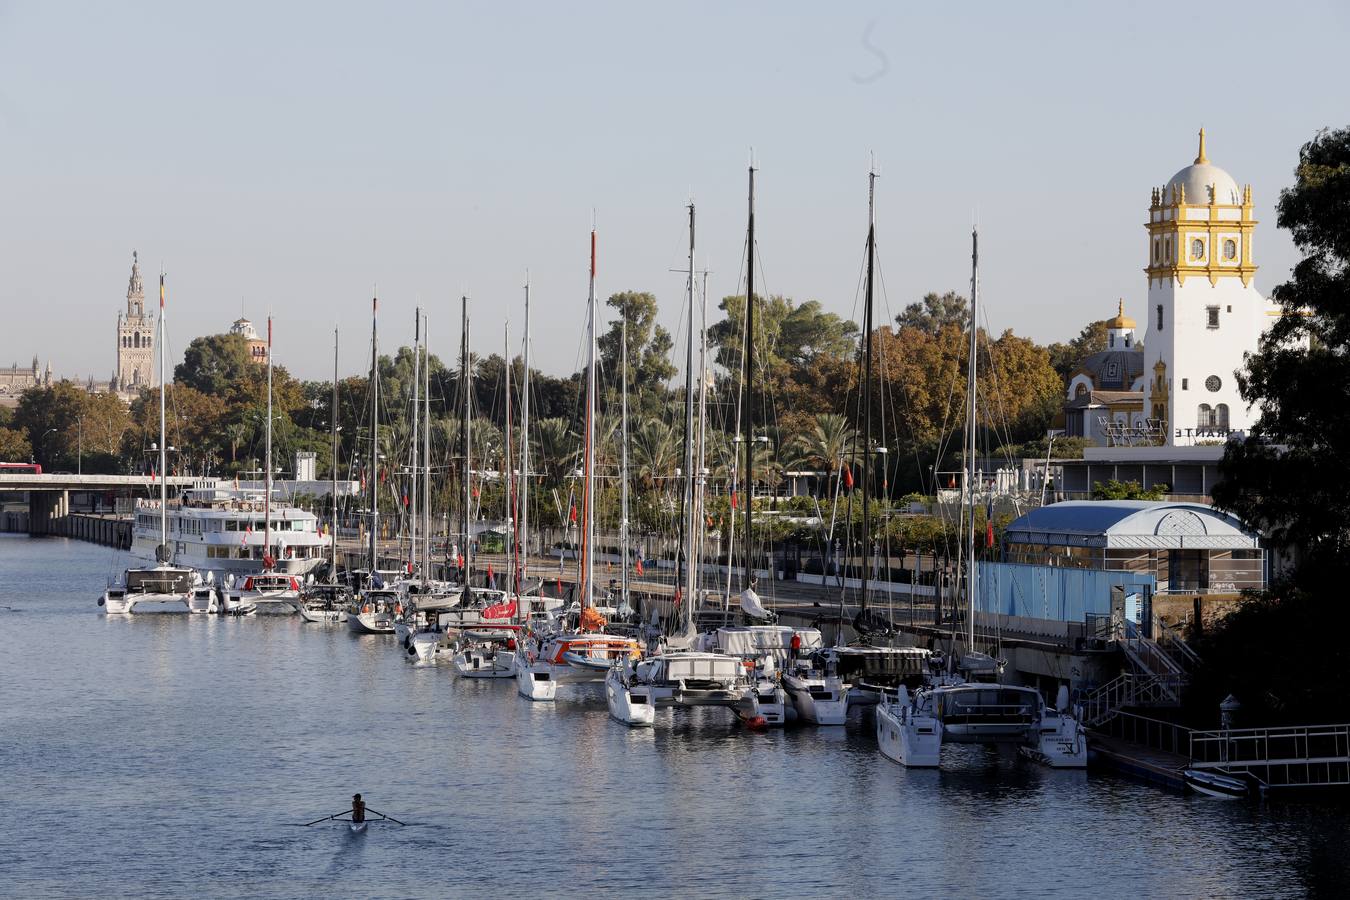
x: 935, y: 312
x: 49, y: 418
x: 1065, y: 358
x: 649, y: 346
x: 1287, y: 477
x: 217, y: 364
x: 14, y: 446
x: 1127, y: 490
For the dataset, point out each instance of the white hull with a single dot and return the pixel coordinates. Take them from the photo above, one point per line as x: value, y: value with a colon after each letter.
x: 322, y: 616
x: 633, y: 705
x: 818, y: 701
x: 146, y: 603
x: 911, y: 739
x: 425, y: 645
x: 485, y: 662
x: 535, y: 681
x: 370, y: 623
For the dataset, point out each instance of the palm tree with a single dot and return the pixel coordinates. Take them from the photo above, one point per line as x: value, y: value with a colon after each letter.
x: 656, y: 452
x: 830, y: 439
x: 555, y: 449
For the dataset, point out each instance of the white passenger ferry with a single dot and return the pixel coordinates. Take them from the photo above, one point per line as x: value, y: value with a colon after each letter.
x: 214, y: 529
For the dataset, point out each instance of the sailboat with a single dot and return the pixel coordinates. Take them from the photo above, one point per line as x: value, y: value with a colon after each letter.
x: 163, y: 586
x: 269, y: 590
x: 326, y: 603
x: 677, y: 674
x: 492, y: 654
x: 765, y: 649
x: 970, y: 706
x: 373, y: 609
x: 584, y: 652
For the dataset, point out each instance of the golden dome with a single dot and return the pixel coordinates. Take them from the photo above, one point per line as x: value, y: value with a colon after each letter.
x: 1121, y: 320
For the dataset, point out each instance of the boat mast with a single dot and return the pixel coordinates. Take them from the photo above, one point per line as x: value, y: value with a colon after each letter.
x: 749, y: 435
x: 374, y: 434
x: 525, y: 446
x: 867, y: 392
x: 267, y: 450
x: 332, y: 575
x: 688, y: 522
x: 466, y: 386
x: 510, y: 473
x: 588, y: 486
x: 972, y: 576
x: 417, y: 383
x: 623, y: 465
x: 701, y: 465
x: 163, y: 450
x: 426, y: 448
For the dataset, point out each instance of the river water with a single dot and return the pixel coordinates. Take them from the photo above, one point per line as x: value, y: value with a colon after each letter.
x: 168, y: 755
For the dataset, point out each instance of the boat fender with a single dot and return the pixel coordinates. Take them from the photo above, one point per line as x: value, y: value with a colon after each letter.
x: 412, y: 651
x: 757, y: 723
x: 100, y: 601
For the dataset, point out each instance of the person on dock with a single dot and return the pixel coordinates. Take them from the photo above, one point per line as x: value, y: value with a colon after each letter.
x: 358, y: 808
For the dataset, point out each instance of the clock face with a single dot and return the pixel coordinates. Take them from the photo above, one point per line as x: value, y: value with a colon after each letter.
x: 1212, y: 383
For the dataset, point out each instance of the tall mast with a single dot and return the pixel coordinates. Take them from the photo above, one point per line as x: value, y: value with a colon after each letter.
x: 267, y: 451
x: 867, y: 390
x: 525, y: 445
x: 700, y: 465
x: 588, y: 492
x: 163, y: 450
x: 748, y: 415
x: 510, y: 472
x: 972, y: 369
x: 417, y: 383
x: 466, y: 387
x: 426, y: 448
x: 332, y: 575
x: 623, y: 465
x: 374, y: 434
x: 689, y: 475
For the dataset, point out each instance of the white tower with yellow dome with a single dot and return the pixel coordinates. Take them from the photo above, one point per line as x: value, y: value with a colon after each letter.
x: 1204, y: 315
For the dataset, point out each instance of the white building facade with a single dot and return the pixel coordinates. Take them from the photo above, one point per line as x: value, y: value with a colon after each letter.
x: 1204, y: 314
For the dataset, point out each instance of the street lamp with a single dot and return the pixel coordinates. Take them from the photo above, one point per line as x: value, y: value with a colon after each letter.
x: 1049, y: 444
x: 79, y: 453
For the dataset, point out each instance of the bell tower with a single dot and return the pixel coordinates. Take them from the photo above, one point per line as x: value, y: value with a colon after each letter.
x: 135, y: 338
x: 1203, y: 313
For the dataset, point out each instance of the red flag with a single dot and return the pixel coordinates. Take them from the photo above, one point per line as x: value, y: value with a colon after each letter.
x: 989, y: 533
x: 638, y: 565
x: 460, y: 559
x: 952, y: 483
x: 489, y: 573
x: 477, y: 492
x: 733, y: 499
x: 572, y: 514
x: 405, y: 499
x: 560, y: 590
x: 848, y: 478
x: 384, y: 474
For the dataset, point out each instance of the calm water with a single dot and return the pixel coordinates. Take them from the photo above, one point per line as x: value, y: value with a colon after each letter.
x: 165, y: 756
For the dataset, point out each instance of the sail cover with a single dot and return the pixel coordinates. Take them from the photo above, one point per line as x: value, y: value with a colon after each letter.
x: 752, y: 606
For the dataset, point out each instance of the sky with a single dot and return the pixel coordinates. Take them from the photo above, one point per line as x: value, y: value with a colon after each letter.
x: 294, y: 156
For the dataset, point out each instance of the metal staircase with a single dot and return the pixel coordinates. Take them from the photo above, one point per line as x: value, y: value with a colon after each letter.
x: 1157, y: 674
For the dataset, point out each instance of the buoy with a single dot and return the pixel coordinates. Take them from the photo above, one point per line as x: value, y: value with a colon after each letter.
x: 757, y: 723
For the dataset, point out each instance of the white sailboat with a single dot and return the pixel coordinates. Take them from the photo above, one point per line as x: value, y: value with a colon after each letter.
x: 164, y: 587
x: 969, y: 706
x: 584, y: 652
x: 269, y: 591
x: 373, y: 609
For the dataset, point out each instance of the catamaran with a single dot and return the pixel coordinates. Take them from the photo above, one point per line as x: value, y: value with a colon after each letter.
x: 164, y: 586
x: 969, y: 705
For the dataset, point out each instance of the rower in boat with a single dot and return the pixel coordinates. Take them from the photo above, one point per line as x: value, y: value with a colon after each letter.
x: 358, y: 809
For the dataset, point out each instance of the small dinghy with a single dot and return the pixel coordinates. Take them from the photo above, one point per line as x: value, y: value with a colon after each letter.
x: 1216, y: 784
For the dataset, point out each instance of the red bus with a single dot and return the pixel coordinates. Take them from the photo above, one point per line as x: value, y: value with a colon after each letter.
x: 20, y: 469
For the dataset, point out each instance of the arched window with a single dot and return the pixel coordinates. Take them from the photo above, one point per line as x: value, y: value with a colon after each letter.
x: 1230, y: 249
x: 1080, y: 390
x: 1221, y: 417
x: 1111, y: 339
x: 1204, y: 417
x: 1197, y: 249
x: 1160, y: 317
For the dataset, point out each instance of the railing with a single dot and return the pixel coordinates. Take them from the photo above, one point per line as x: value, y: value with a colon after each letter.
x: 1291, y: 756
x: 1168, y: 737
x: 1125, y: 690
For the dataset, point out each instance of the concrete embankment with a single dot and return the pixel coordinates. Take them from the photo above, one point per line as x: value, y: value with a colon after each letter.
x: 110, y: 531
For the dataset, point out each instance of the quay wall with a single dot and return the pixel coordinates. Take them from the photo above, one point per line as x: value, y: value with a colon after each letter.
x: 109, y: 531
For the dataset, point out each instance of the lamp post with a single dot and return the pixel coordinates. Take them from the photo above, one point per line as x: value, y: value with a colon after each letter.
x: 79, y: 453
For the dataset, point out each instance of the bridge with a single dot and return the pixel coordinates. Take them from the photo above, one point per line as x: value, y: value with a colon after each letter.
x: 49, y: 495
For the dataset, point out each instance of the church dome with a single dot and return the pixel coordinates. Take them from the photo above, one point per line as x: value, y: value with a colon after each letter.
x: 1199, y: 177
x: 1121, y: 320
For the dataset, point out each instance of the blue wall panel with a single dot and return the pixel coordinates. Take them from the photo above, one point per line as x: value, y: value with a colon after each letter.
x: 1052, y: 592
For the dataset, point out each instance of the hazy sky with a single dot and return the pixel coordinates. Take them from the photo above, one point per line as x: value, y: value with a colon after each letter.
x: 290, y: 156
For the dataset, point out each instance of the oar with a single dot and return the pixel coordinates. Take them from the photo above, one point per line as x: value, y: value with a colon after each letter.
x: 324, y: 819
x: 383, y: 816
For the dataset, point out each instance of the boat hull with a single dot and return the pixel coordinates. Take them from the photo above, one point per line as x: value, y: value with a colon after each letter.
x: 633, y: 705
x: 914, y: 741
